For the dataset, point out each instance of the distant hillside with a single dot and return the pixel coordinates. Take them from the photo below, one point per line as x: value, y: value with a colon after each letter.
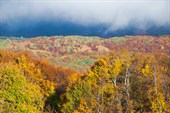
x: 80, y: 52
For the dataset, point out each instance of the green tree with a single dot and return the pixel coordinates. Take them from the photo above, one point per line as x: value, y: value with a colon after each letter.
x: 17, y: 95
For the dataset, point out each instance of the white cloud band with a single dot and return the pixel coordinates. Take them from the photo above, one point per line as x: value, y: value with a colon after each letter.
x: 116, y: 13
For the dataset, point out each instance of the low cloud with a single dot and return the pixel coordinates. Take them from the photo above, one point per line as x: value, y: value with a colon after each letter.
x: 117, y: 14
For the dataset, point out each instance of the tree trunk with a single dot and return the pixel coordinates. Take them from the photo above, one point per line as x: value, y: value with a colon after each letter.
x: 127, y: 88
x: 155, y: 80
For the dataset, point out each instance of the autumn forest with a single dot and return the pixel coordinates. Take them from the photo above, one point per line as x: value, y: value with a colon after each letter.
x: 133, y: 78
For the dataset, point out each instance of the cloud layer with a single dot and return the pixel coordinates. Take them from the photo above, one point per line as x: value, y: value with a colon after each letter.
x: 117, y: 14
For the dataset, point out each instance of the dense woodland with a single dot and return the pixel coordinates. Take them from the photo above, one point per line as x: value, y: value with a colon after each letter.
x: 121, y: 82
x: 85, y: 75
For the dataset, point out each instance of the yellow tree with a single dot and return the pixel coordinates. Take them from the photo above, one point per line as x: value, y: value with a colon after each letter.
x: 155, y: 93
x: 34, y: 74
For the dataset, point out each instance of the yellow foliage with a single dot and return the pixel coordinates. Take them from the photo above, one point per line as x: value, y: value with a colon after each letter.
x: 109, y: 89
x: 73, y: 78
x: 117, y: 66
x: 147, y: 71
x: 133, y: 111
x: 75, y: 111
x: 34, y: 74
x: 100, y: 69
x: 83, y: 107
x: 158, y: 103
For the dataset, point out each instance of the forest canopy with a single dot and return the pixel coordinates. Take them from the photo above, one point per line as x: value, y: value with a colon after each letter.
x: 121, y: 82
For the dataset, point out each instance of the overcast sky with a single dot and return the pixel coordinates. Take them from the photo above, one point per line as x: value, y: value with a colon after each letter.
x: 115, y: 13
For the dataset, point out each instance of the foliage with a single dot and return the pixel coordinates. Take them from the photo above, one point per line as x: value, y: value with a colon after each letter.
x: 35, y: 73
x: 121, y: 82
x: 83, y: 47
x: 126, y: 80
x: 16, y: 95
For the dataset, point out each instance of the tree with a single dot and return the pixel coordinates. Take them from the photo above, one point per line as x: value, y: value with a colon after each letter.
x: 16, y: 93
x: 155, y: 93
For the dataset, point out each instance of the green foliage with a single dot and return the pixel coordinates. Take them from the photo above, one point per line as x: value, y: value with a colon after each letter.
x: 18, y: 95
x: 80, y: 63
x: 4, y: 44
x: 74, y: 95
x: 2, y: 39
x: 48, y: 46
x: 118, y: 40
x: 71, y: 49
x: 146, y: 43
x: 86, y: 61
x: 34, y: 47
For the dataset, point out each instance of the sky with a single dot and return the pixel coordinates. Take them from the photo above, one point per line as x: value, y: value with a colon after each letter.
x: 42, y: 17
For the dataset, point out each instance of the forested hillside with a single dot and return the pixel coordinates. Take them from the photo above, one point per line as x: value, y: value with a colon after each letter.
x: 80, y: 52
x: 126, y: 75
